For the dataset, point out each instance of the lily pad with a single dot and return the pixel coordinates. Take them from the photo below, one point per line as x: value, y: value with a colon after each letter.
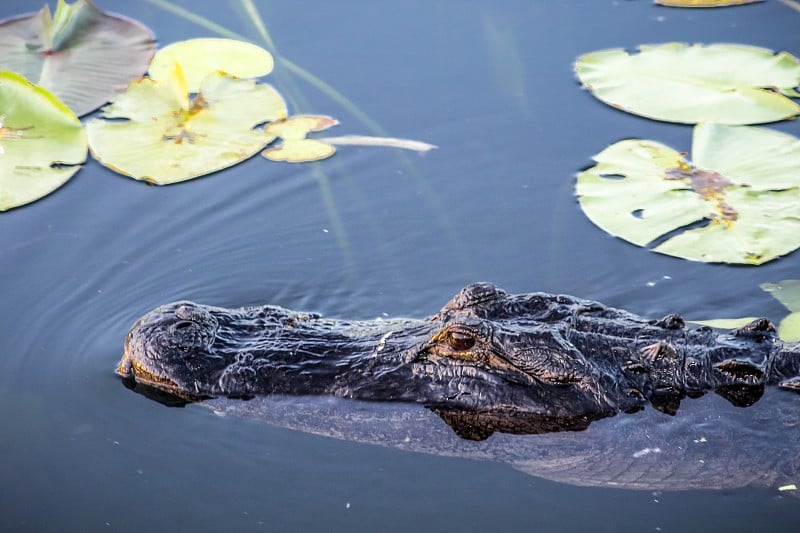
x: 42, y: 142
x: 199, y: 57
x: 294, y: 146
x: 169, y: 137
x: 738, y: 202
x: 724, y: 323
x: 676, y: 82
x: 82, y: 55
x: 786, y: 292
x: 789, y: 328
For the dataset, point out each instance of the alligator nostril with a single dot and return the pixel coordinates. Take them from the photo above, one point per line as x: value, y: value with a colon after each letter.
x: 183, y: 324
x: 125, y: 368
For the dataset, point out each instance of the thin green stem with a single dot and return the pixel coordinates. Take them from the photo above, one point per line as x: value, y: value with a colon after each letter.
x: 257, y: 20
x: 425, y: 187
x: 441, y: 213
x: 197, y: 19
x: 337, y: 224
x: 254, y: 17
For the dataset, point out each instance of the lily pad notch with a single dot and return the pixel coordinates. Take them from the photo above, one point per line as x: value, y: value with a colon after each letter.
x: 170, y: 136
x: 736, y: 201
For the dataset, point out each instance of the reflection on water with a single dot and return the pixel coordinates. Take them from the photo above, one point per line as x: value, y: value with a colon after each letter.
x: 495, y: 202
x: 708, y: 445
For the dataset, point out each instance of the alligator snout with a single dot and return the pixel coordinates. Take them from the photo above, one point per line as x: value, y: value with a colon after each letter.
x: 170, y: 335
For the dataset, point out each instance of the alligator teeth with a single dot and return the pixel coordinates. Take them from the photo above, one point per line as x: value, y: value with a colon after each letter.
x: 741, y: 372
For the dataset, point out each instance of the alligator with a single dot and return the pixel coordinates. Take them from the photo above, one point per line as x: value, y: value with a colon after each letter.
x: 530, y: 380
x: 488, y: 362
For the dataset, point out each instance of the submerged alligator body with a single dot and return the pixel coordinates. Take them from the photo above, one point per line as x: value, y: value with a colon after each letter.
x: 709, y: 444
x: 529, y: 362
x: 501, y: 365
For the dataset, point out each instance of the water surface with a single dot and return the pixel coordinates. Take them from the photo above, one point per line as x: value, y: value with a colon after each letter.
x: 368, y: 233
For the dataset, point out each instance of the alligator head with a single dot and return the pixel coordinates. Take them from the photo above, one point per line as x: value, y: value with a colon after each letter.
x: 546, y: 361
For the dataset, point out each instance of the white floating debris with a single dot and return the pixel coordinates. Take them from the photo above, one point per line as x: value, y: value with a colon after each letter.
x: 392, y: 142
x: 787, y: 487
x: 646, y: 451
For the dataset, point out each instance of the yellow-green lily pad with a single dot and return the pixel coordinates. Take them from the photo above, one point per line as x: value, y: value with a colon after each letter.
x: 677, y: 82
x: 787, y: 292
x: 294, y: 146
x: 42, y: 142
x: 81, y: 54
x: 169, y: 137
x: 199, y: 57
x: 738, y: 201
x: 724, y: 323
x: 789, y: 328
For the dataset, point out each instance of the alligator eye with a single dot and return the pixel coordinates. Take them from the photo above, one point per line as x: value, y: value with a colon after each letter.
x: 460, y: 341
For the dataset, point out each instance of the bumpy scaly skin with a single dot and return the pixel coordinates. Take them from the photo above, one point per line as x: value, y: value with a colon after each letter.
x: 548, y: 361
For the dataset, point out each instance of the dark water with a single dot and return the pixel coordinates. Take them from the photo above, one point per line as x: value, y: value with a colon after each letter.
x: 367, y: 233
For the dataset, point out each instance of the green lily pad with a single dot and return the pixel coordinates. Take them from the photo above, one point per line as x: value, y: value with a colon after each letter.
x: 42, y: 142
x: 743, y: 186
x: 789, y: 328
x: 786, y: 292
x: 82, y: 55
x: 676, y: 82
x: 724, y: 323
x: 199, y: 57
x: 294, y: 146
x: 169, y: 137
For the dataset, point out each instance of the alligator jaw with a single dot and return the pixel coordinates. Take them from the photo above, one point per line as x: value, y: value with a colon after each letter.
x: 124, y: 368
x: 135, y: 376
